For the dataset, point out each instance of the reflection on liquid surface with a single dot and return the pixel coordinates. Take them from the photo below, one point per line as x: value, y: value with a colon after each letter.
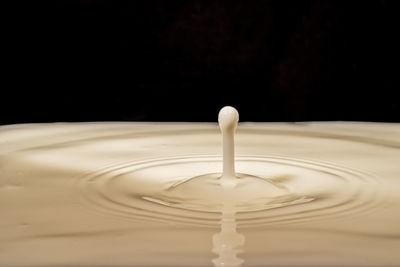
x: 122, y: 194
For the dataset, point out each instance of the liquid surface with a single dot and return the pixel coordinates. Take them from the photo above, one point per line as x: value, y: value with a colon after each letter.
x: 133, y: 194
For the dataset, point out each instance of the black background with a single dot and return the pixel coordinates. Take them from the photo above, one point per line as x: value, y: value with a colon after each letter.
x: 184, y: 60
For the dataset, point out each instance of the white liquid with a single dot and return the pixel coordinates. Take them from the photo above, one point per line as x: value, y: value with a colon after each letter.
x: 214, y: 192
x: 228, y: 118
x: 121, y: 194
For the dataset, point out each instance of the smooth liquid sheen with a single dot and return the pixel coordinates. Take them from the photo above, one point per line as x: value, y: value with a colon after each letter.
x: 152, y: 194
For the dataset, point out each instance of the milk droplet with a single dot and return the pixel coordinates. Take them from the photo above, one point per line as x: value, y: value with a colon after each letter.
x: 228, y: 118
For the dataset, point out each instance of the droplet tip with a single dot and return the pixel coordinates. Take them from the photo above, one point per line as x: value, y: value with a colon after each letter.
x: 228, y: 117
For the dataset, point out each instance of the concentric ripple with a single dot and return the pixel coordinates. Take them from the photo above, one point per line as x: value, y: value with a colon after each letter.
x: 136, y: 194
x: 158, y: 189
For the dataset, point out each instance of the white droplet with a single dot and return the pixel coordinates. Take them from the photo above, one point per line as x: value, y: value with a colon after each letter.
x: 228, y: 118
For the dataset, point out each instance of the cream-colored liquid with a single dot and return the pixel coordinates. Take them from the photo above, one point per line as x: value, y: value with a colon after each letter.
x: 150, y: 194
x: 228, y: 118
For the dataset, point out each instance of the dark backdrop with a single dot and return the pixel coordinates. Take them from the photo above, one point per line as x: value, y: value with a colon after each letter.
x: 183, y: 60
